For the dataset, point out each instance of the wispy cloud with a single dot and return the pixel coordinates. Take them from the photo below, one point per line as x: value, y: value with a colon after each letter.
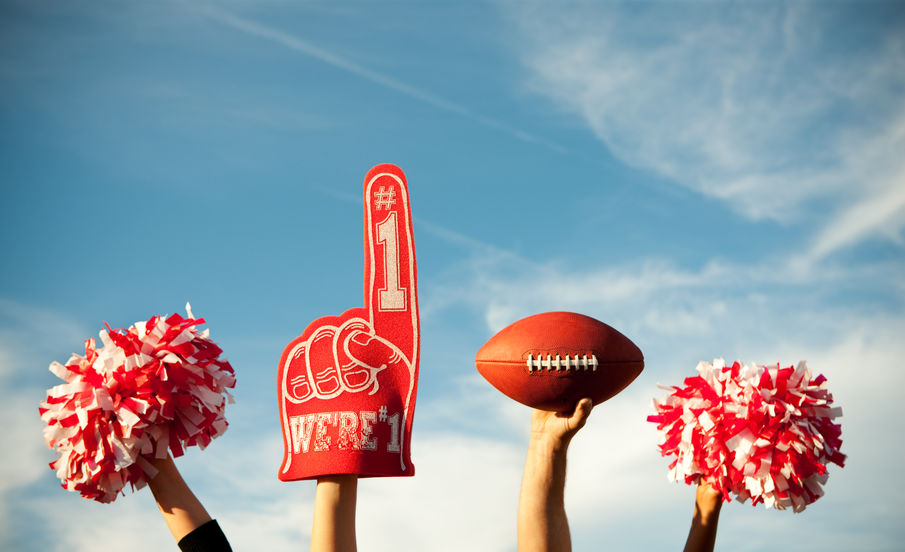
x: 305, y: 48
x: 878, y: 166
x: 717, y: 308
x: 762, y: 106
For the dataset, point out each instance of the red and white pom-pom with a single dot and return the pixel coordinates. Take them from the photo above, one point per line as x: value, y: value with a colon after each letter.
x: 764, y: 433
x: 160, y: 385
x: 692, y: 421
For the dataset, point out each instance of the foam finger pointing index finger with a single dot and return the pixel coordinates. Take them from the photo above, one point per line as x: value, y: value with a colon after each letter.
x: 390, y: 284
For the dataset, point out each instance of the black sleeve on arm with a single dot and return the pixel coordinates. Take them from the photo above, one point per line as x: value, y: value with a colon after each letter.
x: 205, y: 538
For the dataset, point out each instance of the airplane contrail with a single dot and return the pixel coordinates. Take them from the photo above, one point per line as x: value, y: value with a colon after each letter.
x: 294, y: 43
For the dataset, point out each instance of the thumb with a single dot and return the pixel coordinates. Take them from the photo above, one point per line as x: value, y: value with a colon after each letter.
x: 580, y: 415
x: 370, y: 350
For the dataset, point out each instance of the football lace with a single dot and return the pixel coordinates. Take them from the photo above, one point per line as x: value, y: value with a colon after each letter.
x: 559, y: 363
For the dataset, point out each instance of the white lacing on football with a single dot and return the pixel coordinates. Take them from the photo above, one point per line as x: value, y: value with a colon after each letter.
x: 559, y: 363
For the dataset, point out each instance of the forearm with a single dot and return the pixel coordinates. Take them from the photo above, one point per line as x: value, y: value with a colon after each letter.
x: 542, y: 523
x: 334, y: 514
x: 181, y: 510
x: 702, y: 535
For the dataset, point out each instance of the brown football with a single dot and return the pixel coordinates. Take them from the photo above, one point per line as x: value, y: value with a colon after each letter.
x: 551, y: 360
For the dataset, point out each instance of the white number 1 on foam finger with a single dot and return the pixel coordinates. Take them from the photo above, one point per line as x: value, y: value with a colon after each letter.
x: 391, y: 296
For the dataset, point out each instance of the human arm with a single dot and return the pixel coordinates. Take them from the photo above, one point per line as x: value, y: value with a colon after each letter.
x: 185, y: 516
x: 542, y: 523
x: 181, y: 509
x: 702, y: 535
x: 334, y: 514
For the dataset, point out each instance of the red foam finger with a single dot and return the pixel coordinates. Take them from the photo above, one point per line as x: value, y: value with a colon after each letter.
x: 346, y: 387
x: 390, y: 276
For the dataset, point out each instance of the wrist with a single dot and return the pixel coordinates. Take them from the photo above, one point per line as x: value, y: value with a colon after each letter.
x: 547, y: 444
x: 547, y: 451
x: 708, y: 512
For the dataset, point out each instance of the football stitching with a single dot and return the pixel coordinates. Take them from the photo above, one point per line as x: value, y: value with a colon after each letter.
x: 559, y: 363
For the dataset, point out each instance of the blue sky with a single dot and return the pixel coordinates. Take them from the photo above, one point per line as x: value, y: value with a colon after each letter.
x: 715, y: 180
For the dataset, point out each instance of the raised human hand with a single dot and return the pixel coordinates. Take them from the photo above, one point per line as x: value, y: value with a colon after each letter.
x: 707, y: 505
x: 558, y: 428
x: 346, y: 387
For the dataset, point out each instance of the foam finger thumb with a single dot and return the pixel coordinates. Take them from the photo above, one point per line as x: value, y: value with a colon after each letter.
x: 370, y: 350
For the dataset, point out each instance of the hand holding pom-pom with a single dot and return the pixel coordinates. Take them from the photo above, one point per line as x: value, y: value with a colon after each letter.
x: 159, y: 386
x: 758, y: 432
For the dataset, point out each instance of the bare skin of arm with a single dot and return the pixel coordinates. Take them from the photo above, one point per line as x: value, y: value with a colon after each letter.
x: 542, y: 523
x: 181, y: 510
x: 702, y: 535
x: 334, y: 514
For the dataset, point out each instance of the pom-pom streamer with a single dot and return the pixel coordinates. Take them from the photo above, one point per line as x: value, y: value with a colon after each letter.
x: 159, y: 386
x: 759, y: 432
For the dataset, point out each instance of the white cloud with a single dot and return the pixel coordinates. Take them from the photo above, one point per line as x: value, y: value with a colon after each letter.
x: 462, y: 482
x: 652, y: 297
x: 470, y: 441
x: 25, y: 460
x: 26, y: 337
x: 755, y: 105
x: 765, y: 312
x: 463, y: 497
